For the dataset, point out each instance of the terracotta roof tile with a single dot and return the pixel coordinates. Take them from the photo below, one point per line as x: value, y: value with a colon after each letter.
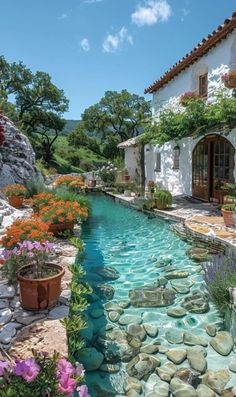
x: 197, y: 52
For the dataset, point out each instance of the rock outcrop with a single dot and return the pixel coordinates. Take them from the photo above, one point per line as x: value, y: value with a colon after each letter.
x: 17, y: 158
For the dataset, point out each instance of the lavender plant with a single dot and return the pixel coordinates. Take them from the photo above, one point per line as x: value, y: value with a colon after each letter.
x: 219, y: 276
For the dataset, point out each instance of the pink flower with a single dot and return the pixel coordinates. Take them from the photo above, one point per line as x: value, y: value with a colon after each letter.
x: 3, y: 367
x: 66, y: 384
x: 28, y: 369
x: 64, y: 367
x: 83, y: 391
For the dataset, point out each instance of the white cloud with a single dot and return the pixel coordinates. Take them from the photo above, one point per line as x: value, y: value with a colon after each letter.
x: 112, y: 43
x: 63, y: 16
x: 151, y: 12
x: 85, y: 44
x: 185, y: 13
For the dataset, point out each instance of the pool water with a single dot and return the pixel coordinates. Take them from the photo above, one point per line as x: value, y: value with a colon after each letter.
x: 133, y: 243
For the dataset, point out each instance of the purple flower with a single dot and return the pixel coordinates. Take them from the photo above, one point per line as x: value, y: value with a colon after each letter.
x: 83, y: 391
x: 3, y: 367
x: 67, y: 385
x: 64, y: 367
x: 28, y: 369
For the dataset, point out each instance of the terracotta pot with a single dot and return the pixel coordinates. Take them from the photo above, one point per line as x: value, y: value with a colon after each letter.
x: 16, y: 201
x: 40, y: 294
x: 159, y: 205
x: 228, y: 217
x: 57, y: 228
x: 231, y: 82
x: 126, y: 178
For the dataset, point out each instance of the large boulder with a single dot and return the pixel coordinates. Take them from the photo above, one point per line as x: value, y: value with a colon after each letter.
x: 17, y: 158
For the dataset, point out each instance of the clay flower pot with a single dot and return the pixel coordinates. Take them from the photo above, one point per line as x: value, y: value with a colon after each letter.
x: 57, y: 228
x: 229, y: 217
x: 126, y: 178
x: 230, y: 81
x: 16, y: 201
x: 159, y: 205
x: 40, y: 294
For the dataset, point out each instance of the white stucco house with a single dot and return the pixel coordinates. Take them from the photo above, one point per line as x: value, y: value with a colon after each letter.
x: 192, y: 167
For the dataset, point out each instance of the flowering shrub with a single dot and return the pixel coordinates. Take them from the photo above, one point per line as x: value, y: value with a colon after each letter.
x: 70, y: 181
x: 2, y: 135
x: 25, y: 229
x: 41, y: 199
x: 27, y: 253
x: 151, y: 184
x: 14, y: 190
x: 187, y: 97
x: 63, y: 212
x: 40, y: 376
x: 108, y: 174
x: 219, y: 276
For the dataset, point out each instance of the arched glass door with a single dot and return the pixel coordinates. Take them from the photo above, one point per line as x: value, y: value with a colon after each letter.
x: 213, y: 165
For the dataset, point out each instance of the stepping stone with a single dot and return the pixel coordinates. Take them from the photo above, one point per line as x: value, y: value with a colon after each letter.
x: 5, y: 316
x: 167, y: 371
x: 59, y: 312
x: 131, y: 383
x: 216, y: 380
x: 192, y: 340
x: 204, y: 391
x: 124, y: 303
x: 223, y: 343
x: 211, y: 330
x: 177, y: 356
x: 136, y: 330
x: 7, y: 291
x: 182, y: 389
x: 196, y: 358
x: 176, y: 275
x: 114, y: 307
x: 176, y: 312
x: 149, y: 349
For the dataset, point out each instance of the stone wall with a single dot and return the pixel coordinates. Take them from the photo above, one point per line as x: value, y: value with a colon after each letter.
x: 17, y: 158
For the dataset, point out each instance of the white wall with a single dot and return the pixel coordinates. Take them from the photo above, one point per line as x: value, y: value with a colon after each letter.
x: 177, y: 181
x: 132, y: 161
x: 221, y: 55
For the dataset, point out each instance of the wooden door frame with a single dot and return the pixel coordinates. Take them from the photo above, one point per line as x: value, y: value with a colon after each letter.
x: 210, y: 140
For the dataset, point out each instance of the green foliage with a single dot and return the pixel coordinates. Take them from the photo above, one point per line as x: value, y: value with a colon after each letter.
x: 198, y: 118
x: 78, y: 243
x: 164, y: 197
x: 35, y: 186
x: 119, y: 114
x: 229, y: 207
x: 75, y: 322
x: 68, y: 195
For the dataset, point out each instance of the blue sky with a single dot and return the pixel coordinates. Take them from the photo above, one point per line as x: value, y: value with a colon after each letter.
x: 90, y: 46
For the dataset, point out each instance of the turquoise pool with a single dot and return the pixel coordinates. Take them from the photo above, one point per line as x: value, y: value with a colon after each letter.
x: 140, y: 250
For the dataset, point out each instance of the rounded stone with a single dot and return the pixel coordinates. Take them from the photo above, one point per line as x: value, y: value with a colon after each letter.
x: 124, y: 303
x: 91, y: 358
x: 167, y: 371
x: 151, y: 329
x: 113, y: 316
x: 176, y: 312
x: 5, y: 316
x: 192, y: 340
x: 232, y: 365
x: 126, y: 319
x: 196, y: 359
x: 136, y: 330
x: 198, y: 254
x: 142, y: 365
x: 174, y: 336
x: 204, y: 391
x: 114, y: 307
x: 182, y: 389
x: 110, y: 368
x: 216, y: 380
x: 149, y: 349
x: 97, y: 313
x: 177, y: 356
x: 223, y: 343
x: 211, y: 330
x: 176, y: 275
x: 131, y: 383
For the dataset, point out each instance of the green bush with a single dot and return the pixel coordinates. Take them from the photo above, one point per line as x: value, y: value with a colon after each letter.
x: 164, y: 197
x: 229, y: 207
x: 35, y: 186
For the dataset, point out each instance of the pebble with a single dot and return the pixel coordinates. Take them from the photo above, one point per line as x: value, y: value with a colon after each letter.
x: 7, y: 291
x: 174, y: 336
x: 223, y: 343
x: 192, y: 340
x: 151, y: 330
x: 126, y: 319
x: 176, y: 312
x: 177, y: 356
x: 5, y: 316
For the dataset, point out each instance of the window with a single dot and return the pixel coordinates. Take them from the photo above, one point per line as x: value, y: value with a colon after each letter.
x: 203, y: 85
x: 158, y: 162
x: 176, y: 154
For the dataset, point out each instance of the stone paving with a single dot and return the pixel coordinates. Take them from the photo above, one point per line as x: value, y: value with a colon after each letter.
x: 22, y: 330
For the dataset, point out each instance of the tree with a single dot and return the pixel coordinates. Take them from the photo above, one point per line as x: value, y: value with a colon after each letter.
x: 79, y: 137
x: 118, y: 114
x: 38, y: 102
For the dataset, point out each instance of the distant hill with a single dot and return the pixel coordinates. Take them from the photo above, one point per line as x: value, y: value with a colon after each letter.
x: 70, y: 126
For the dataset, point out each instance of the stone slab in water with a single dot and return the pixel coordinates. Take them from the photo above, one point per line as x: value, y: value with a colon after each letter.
x: 222, y: 343
x: 151, y: 330
x: 176, y: 312
x: 126, y: 319
x: 199, y: 254
x: 177, y: 356
x: 142, y: 365
x: 151, y: 296
x: 174, y: 336
x: 191, y: 339
x: 196, y: 359
x: 182, y: 389
x: 106, y: 272
x: 216, y: 380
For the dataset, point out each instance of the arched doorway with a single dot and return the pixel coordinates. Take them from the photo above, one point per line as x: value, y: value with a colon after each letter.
x: 213, y: 164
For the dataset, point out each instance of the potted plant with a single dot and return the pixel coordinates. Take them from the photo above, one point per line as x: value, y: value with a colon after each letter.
x: 40, y: 200
x: 39, y: 280
x: 62, y: 215
x: 71, y: 182
x: 163, y: 199
x: 126, y: 175
x: 229, y: 214
x: 41, y: 375
x: 151, y: 186
x: 31, y: 229
x: 229, y: 79
x: 108, y: 174
x: 15, y: 195
x: 187, y: 97
x: 230, y: 188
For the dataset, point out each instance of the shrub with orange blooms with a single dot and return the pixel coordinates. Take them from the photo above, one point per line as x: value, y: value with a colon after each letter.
x: 63, y: 212
x: 25, y: 229
x: 70, y: 181
x: 14, y: 190
x: 42, y: 199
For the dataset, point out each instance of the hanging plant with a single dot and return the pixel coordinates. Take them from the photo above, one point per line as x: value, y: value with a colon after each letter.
x: 229, y: 79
